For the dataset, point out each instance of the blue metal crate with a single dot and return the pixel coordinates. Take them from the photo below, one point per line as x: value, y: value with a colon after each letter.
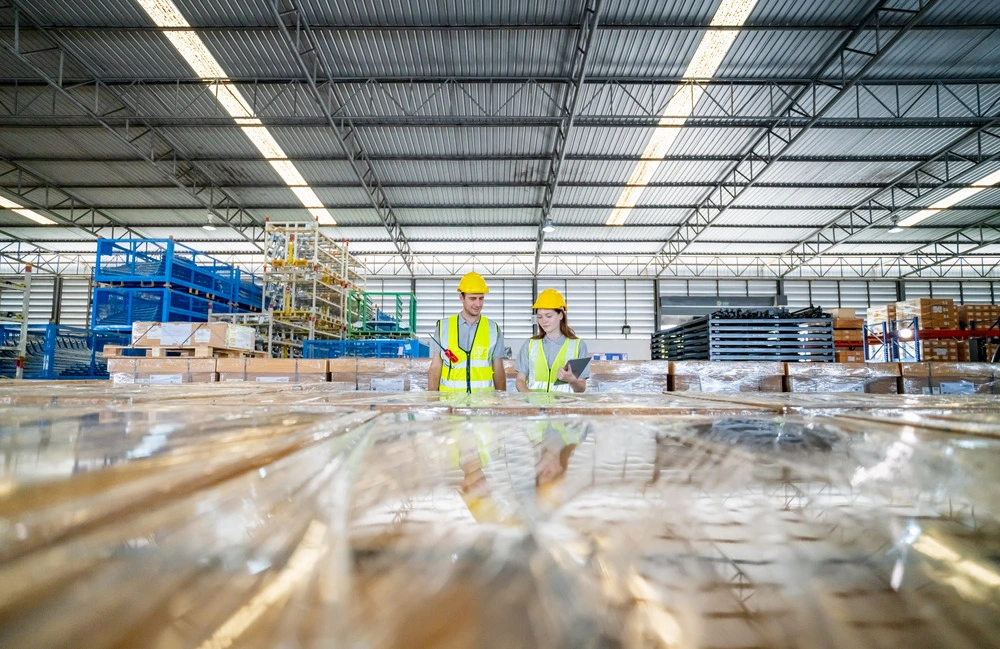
x: 364, y: 349
x: 164, y: 263
x: 115, y: 309
x: 57, y: 352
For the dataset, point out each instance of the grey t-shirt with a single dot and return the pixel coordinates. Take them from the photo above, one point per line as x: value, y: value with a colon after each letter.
x: 467, y: 333
x: 551, y: 349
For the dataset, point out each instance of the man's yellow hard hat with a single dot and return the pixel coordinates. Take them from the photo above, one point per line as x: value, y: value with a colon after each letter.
x: 473, y: 283
x: 550, y: 299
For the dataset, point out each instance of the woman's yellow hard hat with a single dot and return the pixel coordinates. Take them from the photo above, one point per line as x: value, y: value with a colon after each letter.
x: 550, y: 299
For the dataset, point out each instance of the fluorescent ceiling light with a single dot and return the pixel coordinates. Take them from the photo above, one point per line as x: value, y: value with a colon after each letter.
x: 711, y: 51
x: 953, y: 199
x: 25, y: 212
x: 166, y: 14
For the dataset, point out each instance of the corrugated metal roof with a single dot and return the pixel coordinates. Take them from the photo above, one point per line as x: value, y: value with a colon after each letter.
x: 458, y: 171
x: 928, y: 54
x: 464, y: 195
x: 584, y: 216
x: 479, y: 216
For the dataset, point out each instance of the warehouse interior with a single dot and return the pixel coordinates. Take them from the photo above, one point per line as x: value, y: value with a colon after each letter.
x: 234, y: 235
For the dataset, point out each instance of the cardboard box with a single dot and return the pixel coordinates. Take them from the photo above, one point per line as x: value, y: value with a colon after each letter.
x: 871, y: 378
x: 848, y: 323
x: 848, y: 336
x: 647, y: 377
x: 850, y: 356
x: 222, y: 335
x: 978, y: 316
x: 717, y: 376
x: 384, y: 374
x: 343, y: 373
x: 945, y: 351
x: 273, y: 370
x: 931, y: 313
x: 950, y: 378
x: 843, y: 313
x: 162, y: 370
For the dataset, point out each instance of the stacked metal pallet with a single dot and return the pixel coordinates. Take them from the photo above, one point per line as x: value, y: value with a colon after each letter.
x: 772, y: 335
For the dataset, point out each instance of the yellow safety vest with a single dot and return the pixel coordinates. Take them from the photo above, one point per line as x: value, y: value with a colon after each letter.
x: 473, y: 372
x: 542, y: 377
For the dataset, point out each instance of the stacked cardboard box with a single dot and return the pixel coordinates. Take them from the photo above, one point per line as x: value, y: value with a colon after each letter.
x: 273, y: 370
x: 629, y: 376
x: 163, y: 370
x: 931, y: 313
x: 222, y: 335
x: 709, y: 376
x: 872, y: 378
x: 950, y: 378
x: 879, y: 314
x: 944, y: 350
x: 848, y: 331
x: 850, y: 356
x: 978, y: 316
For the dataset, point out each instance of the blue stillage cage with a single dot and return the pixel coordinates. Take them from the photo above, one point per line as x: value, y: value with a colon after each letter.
x: 365, y: 349
x: 115, y: 309
x: 57, y: 352
x: 164, y: 263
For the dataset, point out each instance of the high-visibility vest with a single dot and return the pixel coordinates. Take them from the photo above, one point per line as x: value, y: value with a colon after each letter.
x: 542, y: 376
x: 473, y: 371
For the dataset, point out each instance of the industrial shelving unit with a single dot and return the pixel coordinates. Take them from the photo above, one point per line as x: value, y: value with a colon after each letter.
x: 15, y: 352
x: 791, y: 338
x: 898, y: 341
x: 382, y: 315
x: 308, y: 281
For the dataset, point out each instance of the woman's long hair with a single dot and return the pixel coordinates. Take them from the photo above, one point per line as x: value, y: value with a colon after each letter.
x: 564, y: 327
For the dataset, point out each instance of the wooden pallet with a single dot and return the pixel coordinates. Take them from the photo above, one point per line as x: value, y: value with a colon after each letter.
x: 183, y: 351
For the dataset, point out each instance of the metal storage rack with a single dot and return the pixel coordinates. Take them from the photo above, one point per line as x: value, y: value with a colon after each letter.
x: 308, y: 279
x: 115, y: 309
x: 382, y: 315
x: 792, y: 339
x: 164, y: 263
x: 58, y: 351
x: 369, y: 348
x: 899, y: 341
x: 14, y: 351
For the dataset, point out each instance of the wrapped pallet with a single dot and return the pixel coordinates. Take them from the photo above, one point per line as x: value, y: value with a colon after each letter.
x: 950, y: 378
x: 716, y: 376
x: 273, y: 370
x: 650, y: 377
x: 871, y: 378
x: 930, y: 313
x: 162, y: 370
x: 220, y: 335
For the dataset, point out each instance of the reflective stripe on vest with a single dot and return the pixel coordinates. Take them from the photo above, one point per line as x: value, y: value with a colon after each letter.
x: 542, y: 376
x: 473, y: 372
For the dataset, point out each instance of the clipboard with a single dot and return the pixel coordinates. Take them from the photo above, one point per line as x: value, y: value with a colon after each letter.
x: 577, y: 365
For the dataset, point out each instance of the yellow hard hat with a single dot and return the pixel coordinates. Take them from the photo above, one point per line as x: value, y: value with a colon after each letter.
x: 473, y: 283
x: 550, y: 299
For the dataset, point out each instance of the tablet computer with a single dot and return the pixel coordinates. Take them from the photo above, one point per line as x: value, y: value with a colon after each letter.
x: 577, y: 365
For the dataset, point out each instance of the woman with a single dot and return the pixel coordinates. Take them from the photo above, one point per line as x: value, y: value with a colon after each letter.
x: 543, y: 359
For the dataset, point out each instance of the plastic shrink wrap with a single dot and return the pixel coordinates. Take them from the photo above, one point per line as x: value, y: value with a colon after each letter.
x: 730, y: 376
x: 873, y: 378
x: 272, y: 527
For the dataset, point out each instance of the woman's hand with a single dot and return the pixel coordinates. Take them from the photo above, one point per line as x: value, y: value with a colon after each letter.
x: 565, y: 374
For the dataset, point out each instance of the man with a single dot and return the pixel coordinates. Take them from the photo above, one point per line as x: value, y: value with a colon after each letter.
x: 471, y: 358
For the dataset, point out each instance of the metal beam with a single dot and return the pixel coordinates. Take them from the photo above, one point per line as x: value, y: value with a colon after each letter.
x: 529, y: 121
x: 571, y: 96
x: 508, y: 157
x: 514, y: 27
x: 894, y: 199
x: 853, y: 63
x: 780, y: 207
x: 149, y: 144
x: 523, y: 102
x: 305, y: 48
x: 959, y: 244
x: 39, y: 193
